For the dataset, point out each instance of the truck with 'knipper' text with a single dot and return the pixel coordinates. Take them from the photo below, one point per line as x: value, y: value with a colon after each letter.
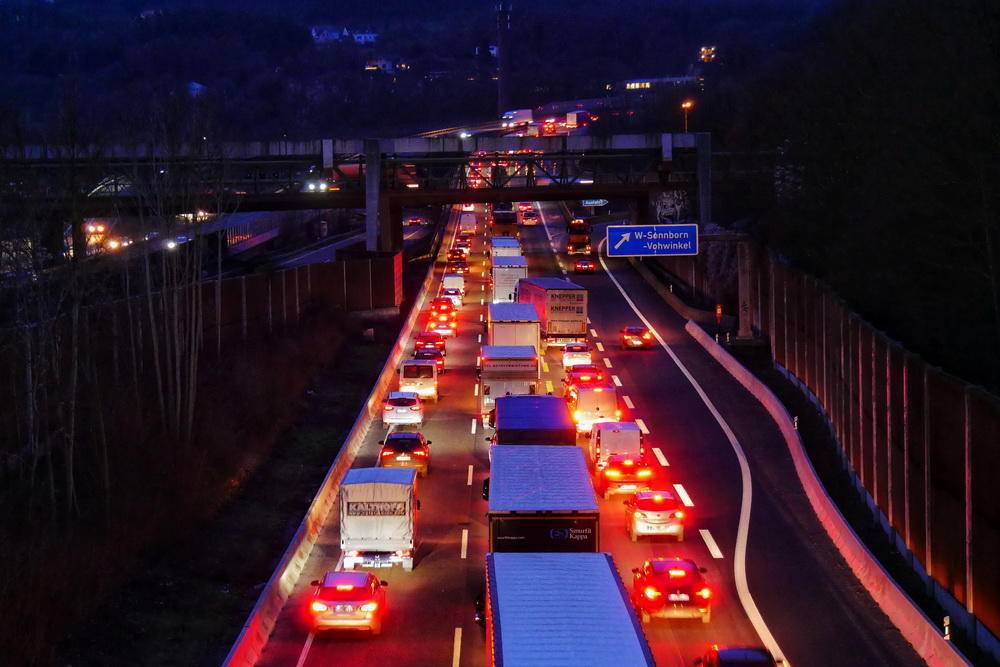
x: 561, y: 307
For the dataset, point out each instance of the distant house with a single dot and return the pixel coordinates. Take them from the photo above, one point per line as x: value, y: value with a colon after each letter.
x: 325, y: 34
x: 365, y: 36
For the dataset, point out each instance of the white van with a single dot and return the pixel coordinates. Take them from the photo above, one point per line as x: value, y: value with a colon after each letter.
x: 419, y: 376
x: 609, y: 438
x: 593, y: 405
x: 453, y: 281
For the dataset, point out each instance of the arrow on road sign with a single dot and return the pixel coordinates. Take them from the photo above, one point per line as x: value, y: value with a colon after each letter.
x: 624, y: 239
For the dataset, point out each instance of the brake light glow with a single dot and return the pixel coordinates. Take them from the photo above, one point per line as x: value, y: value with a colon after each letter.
x: 584, y: 377
x: 415, y: 408
x: 647, y: 336
x: 658, y: 497
x: 345, y: 587
x: 628, y: 462
x: 577, y: 416
x: 679, y: 514
x: 651, y: 593
x: 388, y: 408
x: 420, y: 452
x: 704, y: 593
x: 618, y: 415
x: 318, y: 607
x: 388, y: 452
x: 676, y: 573
x: 598, y: 390
x: 612, y: 473
x: 644, y: 473
x: 369, y: 606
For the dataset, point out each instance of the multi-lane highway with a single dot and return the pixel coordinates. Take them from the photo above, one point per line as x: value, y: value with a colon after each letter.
x: 777, y: 579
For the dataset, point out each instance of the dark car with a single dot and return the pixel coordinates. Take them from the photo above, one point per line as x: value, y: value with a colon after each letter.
x: 584, y: 265
x: 737, y: 656
x: 406, y: 449
x: 434, y: 355
x: 636, y: 338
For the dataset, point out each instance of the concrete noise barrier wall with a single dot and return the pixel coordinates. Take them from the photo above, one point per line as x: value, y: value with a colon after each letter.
x: 894, y: 602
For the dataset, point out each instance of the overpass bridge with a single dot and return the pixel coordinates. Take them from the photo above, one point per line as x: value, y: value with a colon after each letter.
x: 337, y: 173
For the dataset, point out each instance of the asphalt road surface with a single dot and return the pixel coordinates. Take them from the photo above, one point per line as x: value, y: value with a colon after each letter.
x: 776, y: 578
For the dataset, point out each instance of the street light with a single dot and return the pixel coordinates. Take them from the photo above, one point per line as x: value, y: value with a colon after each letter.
x: 686, y: 107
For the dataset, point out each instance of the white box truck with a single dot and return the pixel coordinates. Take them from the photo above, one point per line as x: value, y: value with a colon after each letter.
x: 505, y: 246
x: 513, y: 324
x: 560, y: 609
x: 505, y: 274
x: 378, y: 517
x: 561, y: 306
x: 506, y: 370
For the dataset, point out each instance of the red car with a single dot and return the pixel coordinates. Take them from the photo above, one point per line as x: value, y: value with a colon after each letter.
x: 636, y: 338
x: 671, y: 588
x: 584, y: 265
x: 441, y: 305
x: 624, y: 473
x: 429, y: 340
x: 348, y: 600
x: 583, y: 374
x: 434, y: 355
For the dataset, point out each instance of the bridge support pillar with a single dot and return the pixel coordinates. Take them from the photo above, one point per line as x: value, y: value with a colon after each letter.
x: 373, y: 199
x: 390, y: 225
x: 747, y: 296
x: 703, y: 147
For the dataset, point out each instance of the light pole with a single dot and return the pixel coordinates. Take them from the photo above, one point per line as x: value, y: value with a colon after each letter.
x: 686, y: 107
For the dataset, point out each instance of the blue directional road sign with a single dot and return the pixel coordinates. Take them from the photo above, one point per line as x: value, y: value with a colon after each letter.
x: 645, y: 240
x: 594, y: 202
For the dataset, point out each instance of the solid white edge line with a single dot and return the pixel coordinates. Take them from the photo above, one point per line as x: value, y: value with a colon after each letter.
x: 607, y: 362
x: 593, y: 332
x: 475, y: 390
x: 468, y: 480
x: 743, y: 529
x: 713, y: 548
x: 456, y: 651
x: 305, y: 649
x: 616, y: 380
x: 628, y: 403
x: 600, y: 346
x: 479, y: 338
x: 658, y: 453
x: 465, y: 543
x: 473, y: 426
x: 642, y: 426
x: 683, y: 495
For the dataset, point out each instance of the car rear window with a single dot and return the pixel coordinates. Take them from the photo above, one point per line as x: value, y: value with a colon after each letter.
x: 403, y: 444
x: 634, y: 331
x: 651, y: 505
x: 344, y: 593
x: 417, y: 372
x: 403, y: 402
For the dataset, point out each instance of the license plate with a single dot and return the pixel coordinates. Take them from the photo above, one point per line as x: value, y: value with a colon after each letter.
x: 678, y: 597
x: 627, y: 487
x: 403, y: 457
x: 345, y: 608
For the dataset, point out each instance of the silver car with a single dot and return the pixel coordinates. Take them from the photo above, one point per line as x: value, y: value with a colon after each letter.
x: 402, y: 408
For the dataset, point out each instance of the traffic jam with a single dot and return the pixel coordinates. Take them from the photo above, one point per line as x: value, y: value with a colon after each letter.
x: 577, y: 487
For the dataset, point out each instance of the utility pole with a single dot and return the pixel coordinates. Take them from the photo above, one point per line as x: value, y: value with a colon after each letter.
x: 504, y: 9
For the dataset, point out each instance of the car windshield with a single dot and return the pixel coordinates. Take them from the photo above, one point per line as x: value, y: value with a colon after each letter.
x: 403, y: 444
x: 403, y: 402
x: 414, y: 372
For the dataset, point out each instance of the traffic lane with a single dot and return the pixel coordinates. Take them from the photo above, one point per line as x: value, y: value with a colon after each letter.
x: 445, y: 491
x: 674, y: 641
x: 793, y: 568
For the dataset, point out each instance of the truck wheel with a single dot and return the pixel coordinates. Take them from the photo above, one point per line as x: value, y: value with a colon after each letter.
x: 645, y: 617
x: 408, y: 565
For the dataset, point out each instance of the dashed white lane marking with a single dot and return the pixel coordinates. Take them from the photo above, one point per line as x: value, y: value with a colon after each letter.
x: 658, y: 453
x: 545, y: 367
x: 713, y: 548
x: 482, y: 287
x: 593, y: 332
x: 616, y: 380
x: 746, y: 502
x: 479, y: 338
x: 628, y: 403
x: 607, y: 362
x: 475, y: 390
x: 473, y: 426
x: 456, y: 651
x: 482, y: 302
x: 683, y: 495
x: 468, y: 479
x: 642, y: 426
x: 465, y: 543
x: 480, y: 317
x: 600, y: 346
x: 549, y: 388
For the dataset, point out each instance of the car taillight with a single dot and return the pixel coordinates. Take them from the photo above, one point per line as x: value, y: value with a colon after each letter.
x: 415, y: 408
x: 577, y: 416
x: 420, y: 452
x: 679, y: 514
x: 369, y: 606
x: 442, y: 318
x: 704, y: 593
x: 651, y: 593
x: 453, y: 325
x: 612, y: 473
x: 640, y: 515
x: 647, y: 336
x: 644, y: 473
x: 388, y: 452
x: 389, y: 408
x: 618, y: 415
x: 318, y: 607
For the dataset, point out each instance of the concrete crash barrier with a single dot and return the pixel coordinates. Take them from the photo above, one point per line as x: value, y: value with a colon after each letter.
x: 250, y: 643
x: 916, y: 628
